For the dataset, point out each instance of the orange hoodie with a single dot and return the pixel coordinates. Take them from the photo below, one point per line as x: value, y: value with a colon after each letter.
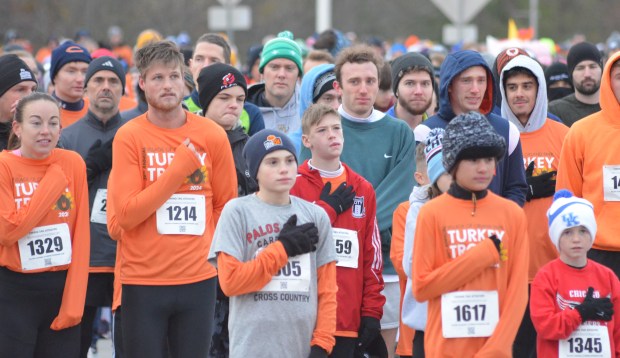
x: 590, y: 163
x: 46, y: 192
x: 149, y: 166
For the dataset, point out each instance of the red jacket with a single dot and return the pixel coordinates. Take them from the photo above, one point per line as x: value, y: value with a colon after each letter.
x: 359, y: 290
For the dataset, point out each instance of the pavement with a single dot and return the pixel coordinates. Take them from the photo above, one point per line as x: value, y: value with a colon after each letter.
x: 104, y: 349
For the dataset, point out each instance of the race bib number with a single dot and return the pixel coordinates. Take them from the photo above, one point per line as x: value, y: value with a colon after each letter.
x: 586, y: 341
x: 182, y: 214
x: 611, y: 182
x: 347, y: 247
x: 469, y: 313
x: 293, y: 277
x: 99, y: 213
x: 45, y: 246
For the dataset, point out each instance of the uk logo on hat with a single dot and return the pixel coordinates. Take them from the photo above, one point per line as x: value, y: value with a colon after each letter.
x: 272, y: 141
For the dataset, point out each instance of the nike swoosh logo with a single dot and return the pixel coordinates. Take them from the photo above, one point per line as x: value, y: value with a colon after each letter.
x: 387, y: 156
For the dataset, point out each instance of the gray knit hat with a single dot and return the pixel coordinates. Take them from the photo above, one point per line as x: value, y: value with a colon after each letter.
x: 402, y: 64
x: 470, y: 136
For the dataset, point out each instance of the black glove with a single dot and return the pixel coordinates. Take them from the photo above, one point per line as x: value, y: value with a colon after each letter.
x: 341, y: 199
x: 503, y: 253
x: 595, y: 309
x: 98, y: 159
x: 540, y: 186
x: 300, y: 239
x: 317, y: 352
x: 370, y: 328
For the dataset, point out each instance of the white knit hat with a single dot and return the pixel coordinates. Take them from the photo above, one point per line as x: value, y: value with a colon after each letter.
x: 568, y: 211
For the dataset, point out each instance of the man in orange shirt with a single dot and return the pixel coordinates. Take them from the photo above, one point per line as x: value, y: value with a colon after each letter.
x: 172, y: 173
x: 524, y: 103
x: 68, y: 72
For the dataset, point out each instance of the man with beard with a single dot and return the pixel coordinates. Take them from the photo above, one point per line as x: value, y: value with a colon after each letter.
x: 412, y: 83
x: 165, y: 201
x: 92, y: 138
x: 585, y: 70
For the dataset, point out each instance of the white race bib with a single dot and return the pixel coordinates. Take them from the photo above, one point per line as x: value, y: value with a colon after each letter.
x: 347, y: 247
x: 586, y: 341
x: 469, y: 313
x: 45, y: 246
x: 293, y: 277
x: 182, y: 214
x: 611, y: 182
x: 98, y: 213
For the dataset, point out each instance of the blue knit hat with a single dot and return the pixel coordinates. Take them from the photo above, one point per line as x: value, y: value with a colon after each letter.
x: 69, y: 51
x: 262, y: 143
x: 433, y: 154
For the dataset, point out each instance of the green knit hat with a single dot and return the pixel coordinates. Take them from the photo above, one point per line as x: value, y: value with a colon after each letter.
x: 282, y: 46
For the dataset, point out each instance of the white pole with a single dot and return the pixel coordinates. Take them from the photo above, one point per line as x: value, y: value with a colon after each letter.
x: 323, y: 15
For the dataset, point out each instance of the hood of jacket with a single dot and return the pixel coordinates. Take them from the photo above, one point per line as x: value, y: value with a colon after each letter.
x: 307, y: 85
x: 539, y: 113
x: 419, y: 194
x: 608, y: 101
x: 454, y: 64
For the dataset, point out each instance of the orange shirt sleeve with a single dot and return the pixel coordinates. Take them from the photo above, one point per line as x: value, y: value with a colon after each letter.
x: 134, y: 204
x: 224, y: 180
x: 74, y: 294
x: 397, y: 246
x: 15, y: 224
x: 430, y: 281
x: 323, y: 335
x: 238, y: 278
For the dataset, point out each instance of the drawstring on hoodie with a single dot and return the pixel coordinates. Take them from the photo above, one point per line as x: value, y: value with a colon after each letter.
x: 473, y: 198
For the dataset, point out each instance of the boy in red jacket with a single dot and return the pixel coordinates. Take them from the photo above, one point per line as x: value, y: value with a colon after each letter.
x: 350, y: 203
x: 573, y: 298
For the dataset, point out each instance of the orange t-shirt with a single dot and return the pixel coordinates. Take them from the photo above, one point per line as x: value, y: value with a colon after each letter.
x: 406, y: 333
x: 47, y: 192
x: 150, y: 165
x: 543, y: 147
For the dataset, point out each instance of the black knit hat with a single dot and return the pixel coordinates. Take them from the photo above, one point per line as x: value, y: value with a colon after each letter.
x: 470, y: 136
x: 215, y: 78
x: 105, y: 63
x: 557, y: 72
x: 67, y: 52
x: 403, y: 63
x: 324, y: 83
x: 581, y: 52
x: 262, y: 143
x: 13, y: 71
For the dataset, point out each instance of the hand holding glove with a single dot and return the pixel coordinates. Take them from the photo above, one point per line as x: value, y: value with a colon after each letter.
x: 300, y: 239
x: 501, y: 250
x: 370, y: 328
x: 595, y: 309
x: 98, y: 159
x: 317, y: 352
x: 341, y: 199
x: 540, y: 186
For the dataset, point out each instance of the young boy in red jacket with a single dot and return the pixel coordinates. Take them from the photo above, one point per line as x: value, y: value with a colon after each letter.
x: 573, y: 298
x: 350, y: 203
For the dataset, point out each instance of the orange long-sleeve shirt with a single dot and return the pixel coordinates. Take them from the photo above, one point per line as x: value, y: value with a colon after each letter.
x: 543, y: 147
x: 452, y: 253
x: 397, y: 247
x: 150, y: 165
x: 47, y: 192
x: 68, y: 117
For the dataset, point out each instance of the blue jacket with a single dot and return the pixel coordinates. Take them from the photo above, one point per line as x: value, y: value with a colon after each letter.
x: 509, y: 180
